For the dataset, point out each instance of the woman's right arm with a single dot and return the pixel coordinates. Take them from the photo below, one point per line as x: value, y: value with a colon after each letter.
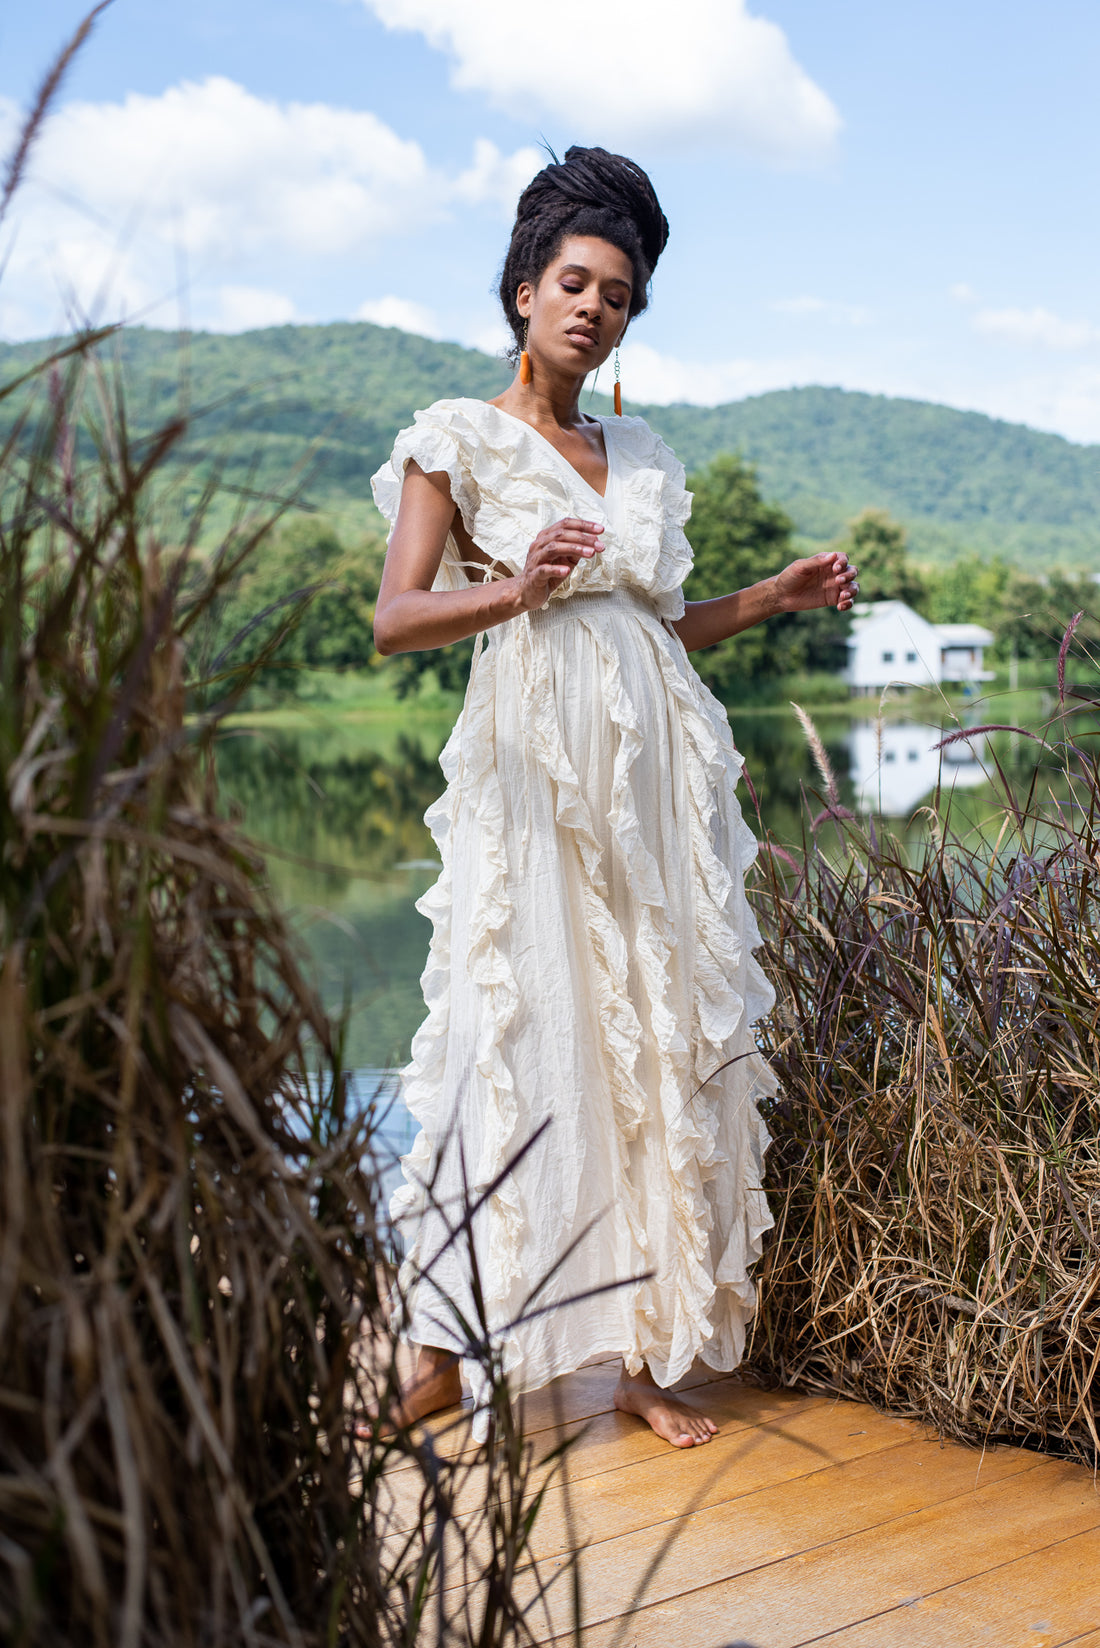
x: 410, y: 616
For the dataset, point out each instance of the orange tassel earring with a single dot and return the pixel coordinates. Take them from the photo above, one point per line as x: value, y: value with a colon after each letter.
x: 618, y: 387
x: 524, y: 359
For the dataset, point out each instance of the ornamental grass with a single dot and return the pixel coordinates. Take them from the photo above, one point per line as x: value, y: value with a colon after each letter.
x: 193, y: 1265
x: 935, y: 1175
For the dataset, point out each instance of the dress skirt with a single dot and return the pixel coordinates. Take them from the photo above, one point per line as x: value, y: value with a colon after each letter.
x: 587, y: 1074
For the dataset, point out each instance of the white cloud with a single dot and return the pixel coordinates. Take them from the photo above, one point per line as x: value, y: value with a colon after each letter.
x: 963, y: 293
x: 207, y: 170
x: 707, y: 71
x: 225, y: 171
x: 244, y: 308
x: 1037, y: 326
x: 492, y: 337
x: 649, y: 375
x: 497, y: 178
x: 403, y: 313
x: 836, y: 314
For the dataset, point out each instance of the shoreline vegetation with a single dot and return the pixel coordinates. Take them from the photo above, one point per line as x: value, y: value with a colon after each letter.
x: 194, y: 1265
x: 935, y: 1174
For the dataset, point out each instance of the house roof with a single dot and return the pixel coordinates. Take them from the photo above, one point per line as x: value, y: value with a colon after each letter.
x: 965, y: 635
x: 862, y: 611
x: 950, y: 635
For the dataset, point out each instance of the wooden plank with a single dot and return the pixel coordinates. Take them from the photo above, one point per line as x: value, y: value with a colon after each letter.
x: 736, y: 1463
x: 842, y: 1547
x: 1036, y: 1602
x: 676, y: 1483
x: 612, y: 1441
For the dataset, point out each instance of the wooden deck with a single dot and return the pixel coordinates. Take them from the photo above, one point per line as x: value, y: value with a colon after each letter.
x: 811, y: 1520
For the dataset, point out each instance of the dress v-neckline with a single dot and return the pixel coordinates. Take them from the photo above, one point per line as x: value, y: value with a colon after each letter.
x: 608, y: 448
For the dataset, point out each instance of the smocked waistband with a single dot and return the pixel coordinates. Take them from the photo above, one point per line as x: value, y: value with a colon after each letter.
x: 591, y: 602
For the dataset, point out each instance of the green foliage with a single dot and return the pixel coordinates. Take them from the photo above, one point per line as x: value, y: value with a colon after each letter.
x: 448, y: 667
x: 327, y: 587
x: 970, y: 590
x: 739, y: 538
x: 1028, y: 615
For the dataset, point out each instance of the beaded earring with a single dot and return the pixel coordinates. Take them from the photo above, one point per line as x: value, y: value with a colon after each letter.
x: 524, y: 359
x: 618, y: 387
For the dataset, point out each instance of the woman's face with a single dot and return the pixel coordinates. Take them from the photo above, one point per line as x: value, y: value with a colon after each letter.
x: 578, y: 311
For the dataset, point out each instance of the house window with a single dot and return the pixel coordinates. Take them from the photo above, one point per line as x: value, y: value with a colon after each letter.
x: 914, y: 755
x: 910, y: 657
x: 888, y: 658
x: 890, y: 755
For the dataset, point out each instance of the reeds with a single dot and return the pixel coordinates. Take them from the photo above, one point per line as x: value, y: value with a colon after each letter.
x: 935, y: 1175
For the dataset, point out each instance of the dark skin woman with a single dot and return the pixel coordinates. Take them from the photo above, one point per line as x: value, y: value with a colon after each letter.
x: 576, y: 312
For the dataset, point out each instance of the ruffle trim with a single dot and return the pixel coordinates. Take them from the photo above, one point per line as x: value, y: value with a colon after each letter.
x: 467, y: 763
x: 730, y: 994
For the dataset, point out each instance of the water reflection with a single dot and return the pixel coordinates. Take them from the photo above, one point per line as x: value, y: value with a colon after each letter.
x: 341, y: 806
x: 895, y: 765
x: 343, y: 809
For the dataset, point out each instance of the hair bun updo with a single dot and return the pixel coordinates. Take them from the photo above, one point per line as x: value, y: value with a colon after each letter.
x: 590, y: 192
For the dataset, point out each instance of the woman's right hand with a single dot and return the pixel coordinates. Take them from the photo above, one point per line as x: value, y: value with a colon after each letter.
x: 553, y: 555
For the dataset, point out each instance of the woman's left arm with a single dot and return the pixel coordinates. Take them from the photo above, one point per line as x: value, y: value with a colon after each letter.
x: 825, y: 580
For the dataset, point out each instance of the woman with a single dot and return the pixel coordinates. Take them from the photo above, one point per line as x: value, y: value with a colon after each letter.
x: 591, y: 970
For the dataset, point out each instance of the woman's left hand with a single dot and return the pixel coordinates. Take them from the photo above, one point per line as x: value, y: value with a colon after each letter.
x: 825, y: 580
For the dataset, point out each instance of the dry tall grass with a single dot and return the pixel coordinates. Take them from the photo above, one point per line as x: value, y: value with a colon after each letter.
x: 191, y: 1265
x: 936, y: 1170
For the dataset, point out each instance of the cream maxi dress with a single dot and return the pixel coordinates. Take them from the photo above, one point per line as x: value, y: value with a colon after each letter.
x: 591, y: 963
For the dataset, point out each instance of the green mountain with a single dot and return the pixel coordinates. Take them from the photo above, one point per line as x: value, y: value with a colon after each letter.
x: 330, y: 398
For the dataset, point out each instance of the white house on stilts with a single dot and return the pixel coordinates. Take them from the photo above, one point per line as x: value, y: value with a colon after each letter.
x: 893, y: 646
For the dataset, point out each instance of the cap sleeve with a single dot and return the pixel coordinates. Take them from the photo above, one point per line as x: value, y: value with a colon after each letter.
x: 439, y: 440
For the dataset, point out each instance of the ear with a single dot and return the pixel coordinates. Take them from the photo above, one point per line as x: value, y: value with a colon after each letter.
x: 525, y: 292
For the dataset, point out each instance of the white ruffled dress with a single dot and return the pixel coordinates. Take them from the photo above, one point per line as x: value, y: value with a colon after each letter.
x: 591, y: 970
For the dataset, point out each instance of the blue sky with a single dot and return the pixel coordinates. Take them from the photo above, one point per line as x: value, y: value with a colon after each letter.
x: 886, y: 197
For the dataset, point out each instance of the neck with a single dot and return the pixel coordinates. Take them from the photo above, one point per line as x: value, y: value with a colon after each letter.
x: 550, y: 398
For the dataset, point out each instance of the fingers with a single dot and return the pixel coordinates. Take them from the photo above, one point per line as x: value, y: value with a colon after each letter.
x: 570, y: 534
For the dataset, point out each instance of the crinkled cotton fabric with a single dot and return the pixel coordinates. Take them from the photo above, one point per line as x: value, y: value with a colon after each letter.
x: 587, y: 1072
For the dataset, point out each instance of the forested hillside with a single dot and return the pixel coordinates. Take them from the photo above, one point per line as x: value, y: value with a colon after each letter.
x: 957, y: 480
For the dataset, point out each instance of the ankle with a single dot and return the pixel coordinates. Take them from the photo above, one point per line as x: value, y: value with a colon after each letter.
x: 433, y: 1363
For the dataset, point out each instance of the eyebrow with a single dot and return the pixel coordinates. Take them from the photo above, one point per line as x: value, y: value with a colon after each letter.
x: 583, y: 269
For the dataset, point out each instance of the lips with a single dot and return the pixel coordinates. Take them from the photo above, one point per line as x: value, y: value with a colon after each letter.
x: 583, y: 339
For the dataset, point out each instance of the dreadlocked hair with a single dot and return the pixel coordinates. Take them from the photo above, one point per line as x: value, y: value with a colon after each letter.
x: 590, y: 192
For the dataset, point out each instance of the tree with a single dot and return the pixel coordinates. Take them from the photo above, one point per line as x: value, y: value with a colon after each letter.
x: 738, y: 539
x: 875, y: 543
x: 327, y: 587
x: 1027, y: 614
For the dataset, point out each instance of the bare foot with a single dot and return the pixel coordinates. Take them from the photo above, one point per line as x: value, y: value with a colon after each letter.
x: 437, y: 1384
x: 670, y: 1418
